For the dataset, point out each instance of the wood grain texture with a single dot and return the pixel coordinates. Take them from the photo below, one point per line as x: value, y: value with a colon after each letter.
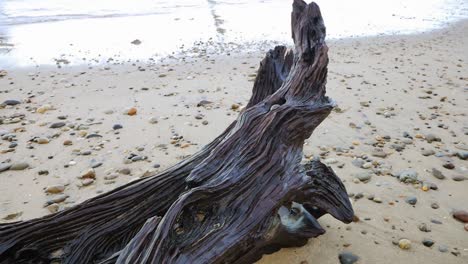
x: 243, y: 195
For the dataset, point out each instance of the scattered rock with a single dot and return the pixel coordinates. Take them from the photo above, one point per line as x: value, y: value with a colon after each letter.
x: 404, y: 244
x: 43, y: 109
x: 19, y: 166
x: 438, y: 174
x: 153, y: 120
x: 89, y: 174
x: 363, y: 176
x: 125, y: 171
x: 117, y: 126
x: 379, y: 153
x: 424, y: 228
x: 431, y: 138
x: 87, y: 182
x: 130, y: 111
x: 411, y: 200
x: 136, y: 42
x: 461, y: 215
x: 204, y: 103
x: 55, y: 189
x: 42, y: 140
x: 428, y: 242
x: 459, y: 178
x: 448, y: 165
x: 53, y: 208
x: 443, y: 248
x: 4, y: 167
x: 347, y: 258
x: 67, y: 142
x: 462, y: 155
x: 427, y: 152
x: 11, y: 102
x: 57, y: 125
x: 13, y: 215
x: 408, y: 176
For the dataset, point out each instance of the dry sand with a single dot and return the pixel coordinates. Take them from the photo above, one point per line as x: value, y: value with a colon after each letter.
x: 384, y: 86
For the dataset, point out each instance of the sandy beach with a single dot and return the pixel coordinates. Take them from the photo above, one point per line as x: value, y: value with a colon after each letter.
x: 72, y: 133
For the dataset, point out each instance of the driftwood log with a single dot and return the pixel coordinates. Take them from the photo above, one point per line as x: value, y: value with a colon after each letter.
x: 243, y: 195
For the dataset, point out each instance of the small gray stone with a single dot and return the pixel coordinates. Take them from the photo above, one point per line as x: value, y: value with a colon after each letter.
x: 347, y: 258
x: 11, y: 102
x: 458, y: 178
x: 379, y: 153
x: 424, y: 228
x: 57, y: 125
x: 4, y: 167
x: 411, y: 200
x: 443, y: 248
x: 117, y: 126
x: 428, y: 242
x: 19, y: 166
x: 427, y: 152
x: 431, y: 138
x: 462, y: 155
x: 363, y: 176
x: 358, y: 162
x: 408, y: 176
x: 438, y: 174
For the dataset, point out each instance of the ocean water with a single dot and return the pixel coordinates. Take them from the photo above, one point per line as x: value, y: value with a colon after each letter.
x: 38, y: 32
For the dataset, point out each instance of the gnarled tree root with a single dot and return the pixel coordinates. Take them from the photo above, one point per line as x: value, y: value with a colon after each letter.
x: 243, y: 195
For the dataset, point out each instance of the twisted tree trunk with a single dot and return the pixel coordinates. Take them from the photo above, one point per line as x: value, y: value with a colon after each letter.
x: 243, y: 195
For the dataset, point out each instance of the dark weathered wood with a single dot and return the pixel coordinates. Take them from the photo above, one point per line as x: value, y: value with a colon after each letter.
x: 243, y: 195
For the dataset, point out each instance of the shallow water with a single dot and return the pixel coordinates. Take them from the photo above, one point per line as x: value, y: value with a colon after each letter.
x: 41, y: 32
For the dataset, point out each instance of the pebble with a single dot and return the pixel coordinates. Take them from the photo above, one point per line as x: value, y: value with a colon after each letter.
x: 435, y: 206
x: 431, y: 138
x: 404, y: 244
x: 130, y: 111
x: 461, y: 215
x: 55, y: 189
x: 424, y: 228
x: 58, y: 199
x: 96, y: 164
x: 459, y: 178
x: 448, y: 165
x: 153, y: 120
x: 87, y: 182
x: 57, y: 125
x: 67, y: 142
x: 330, y: 161
x: 427, y: 152
x: 4, y: 167
x: 111, y: 176
x: 428, y: 242
x: 358, y: 162
x: 363, y: 176
x: 89, y: 174
x: 347, y: 258
x: 19, y: 166
x: 443, y: 248
x: 438, y: 174
x: 117, y: 126
x: 125, y: 171
x: 411, y: 200
x: 11, y: 102
x: 43, y: 109
x: 379, y: 153
x: 42, y: 140
x: 462, y: 155
x: 53, y: 208
x: 408, y: 176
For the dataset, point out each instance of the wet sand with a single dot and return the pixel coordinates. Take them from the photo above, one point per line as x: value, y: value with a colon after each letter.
x: 395, y: 93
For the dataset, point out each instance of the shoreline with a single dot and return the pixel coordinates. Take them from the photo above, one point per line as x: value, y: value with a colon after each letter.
x: 384, y: 86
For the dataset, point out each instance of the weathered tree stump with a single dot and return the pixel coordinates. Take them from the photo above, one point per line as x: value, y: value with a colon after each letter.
x: 243, y: 195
